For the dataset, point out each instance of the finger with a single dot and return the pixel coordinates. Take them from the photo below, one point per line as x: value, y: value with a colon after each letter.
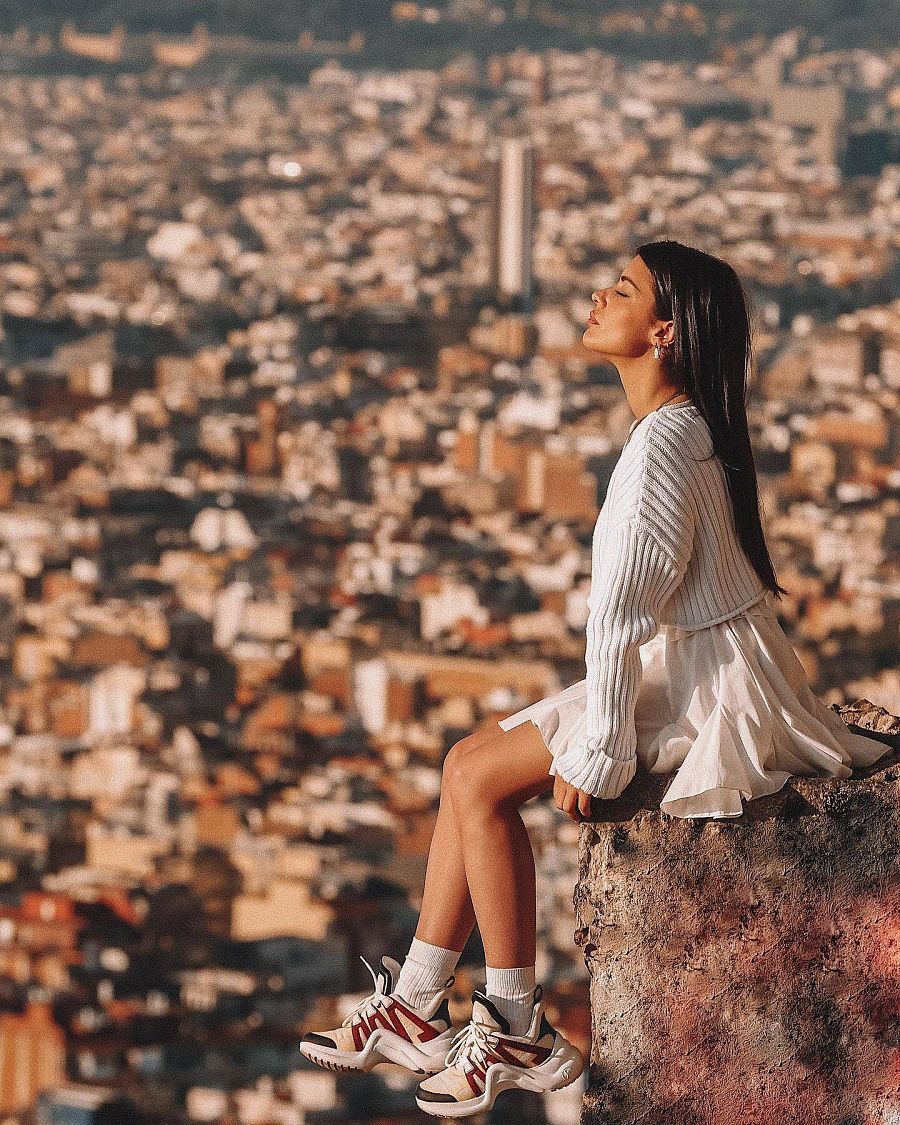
x: 569, y: 800
x: 584, y: 803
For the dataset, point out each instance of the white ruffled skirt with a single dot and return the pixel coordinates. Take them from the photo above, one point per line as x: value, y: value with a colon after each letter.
x: 728, y: 709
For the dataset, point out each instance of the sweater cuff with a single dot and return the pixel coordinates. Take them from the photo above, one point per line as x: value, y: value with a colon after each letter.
x: 593, y: 771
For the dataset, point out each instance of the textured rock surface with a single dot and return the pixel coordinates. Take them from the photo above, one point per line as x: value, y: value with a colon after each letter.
x: 747, y: 971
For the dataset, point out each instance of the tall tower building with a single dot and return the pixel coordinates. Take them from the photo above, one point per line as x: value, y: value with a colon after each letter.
x: 512, y: 221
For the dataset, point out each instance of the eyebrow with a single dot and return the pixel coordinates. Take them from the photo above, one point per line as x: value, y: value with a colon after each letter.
x: 624, y: 277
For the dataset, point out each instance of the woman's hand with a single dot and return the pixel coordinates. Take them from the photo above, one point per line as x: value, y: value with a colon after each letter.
x: 572, y: 801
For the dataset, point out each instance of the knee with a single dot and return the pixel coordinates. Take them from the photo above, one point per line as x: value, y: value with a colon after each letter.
x: 462, y: 778
x: 452, y: 771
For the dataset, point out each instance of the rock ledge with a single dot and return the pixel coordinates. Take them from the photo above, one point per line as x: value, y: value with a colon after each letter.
x: 745, y: 971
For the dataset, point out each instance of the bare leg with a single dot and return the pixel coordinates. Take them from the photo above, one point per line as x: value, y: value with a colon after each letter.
x: 447, y: 916
x: 488, y: 783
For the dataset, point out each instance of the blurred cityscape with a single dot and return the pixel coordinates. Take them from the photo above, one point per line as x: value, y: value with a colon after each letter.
x: 300, y: 457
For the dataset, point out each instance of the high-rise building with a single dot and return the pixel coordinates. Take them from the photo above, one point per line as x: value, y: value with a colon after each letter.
x: 512, y: 221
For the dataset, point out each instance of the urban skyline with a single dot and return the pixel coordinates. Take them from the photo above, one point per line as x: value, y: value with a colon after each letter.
x: 300, y: 456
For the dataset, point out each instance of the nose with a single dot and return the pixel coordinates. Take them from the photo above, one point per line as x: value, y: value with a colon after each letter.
x: 597, y: 296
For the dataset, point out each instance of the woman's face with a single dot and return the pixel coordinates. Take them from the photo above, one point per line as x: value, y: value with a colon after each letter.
x: 623, y: 323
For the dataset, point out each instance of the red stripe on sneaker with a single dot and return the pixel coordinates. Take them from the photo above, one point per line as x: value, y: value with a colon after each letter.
x: 528, y: 1048
x: 376, y: 1019
x: 476, y: 1080
x: 502, y: 1055
x: 427, y: 1031
x: 358, y: 1040
x: 393, y: 1022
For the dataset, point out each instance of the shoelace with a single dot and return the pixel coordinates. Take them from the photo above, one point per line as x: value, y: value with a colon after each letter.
x: 475, y: 1039
x: 370, y: 1003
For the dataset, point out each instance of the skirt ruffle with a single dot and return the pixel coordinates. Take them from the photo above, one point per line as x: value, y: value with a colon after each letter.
x: 727, y: 709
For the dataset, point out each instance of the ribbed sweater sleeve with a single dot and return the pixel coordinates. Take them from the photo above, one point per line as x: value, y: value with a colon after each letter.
x: 631, y: 580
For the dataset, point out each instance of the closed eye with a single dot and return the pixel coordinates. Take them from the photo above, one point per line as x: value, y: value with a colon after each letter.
x: 621, y: 294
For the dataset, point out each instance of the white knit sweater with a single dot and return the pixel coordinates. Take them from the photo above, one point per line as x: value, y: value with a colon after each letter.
x: 664, y: 551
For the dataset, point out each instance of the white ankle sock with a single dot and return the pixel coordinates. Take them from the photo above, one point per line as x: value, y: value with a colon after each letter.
x: 424, y: 972
x: 512, y: 991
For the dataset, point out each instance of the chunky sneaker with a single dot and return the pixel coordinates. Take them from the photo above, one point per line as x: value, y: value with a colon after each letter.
x: 385, y: 1028
x: 485, y: 1059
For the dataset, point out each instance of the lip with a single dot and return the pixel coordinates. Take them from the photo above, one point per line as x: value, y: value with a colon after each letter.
x: 591, y: 318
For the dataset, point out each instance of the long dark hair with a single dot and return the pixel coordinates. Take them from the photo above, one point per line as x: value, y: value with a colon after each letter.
x: 710, y: 359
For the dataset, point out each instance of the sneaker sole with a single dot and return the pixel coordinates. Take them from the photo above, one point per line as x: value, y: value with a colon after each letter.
x: 564, y: 1066
x: 382, y: 1046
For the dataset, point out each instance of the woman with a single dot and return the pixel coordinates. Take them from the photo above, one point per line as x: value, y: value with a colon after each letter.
x: 688, y: 670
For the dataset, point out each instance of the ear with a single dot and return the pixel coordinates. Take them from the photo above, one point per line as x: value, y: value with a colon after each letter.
x: 664, y: 333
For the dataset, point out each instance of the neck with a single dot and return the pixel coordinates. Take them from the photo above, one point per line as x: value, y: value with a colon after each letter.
x: 659, y: 396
